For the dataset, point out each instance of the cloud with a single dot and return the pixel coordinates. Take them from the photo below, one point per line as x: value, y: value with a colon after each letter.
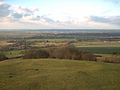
x: 1, y: 0
x: 21, y: 17
x: 49, y: 20
x: 17, y: 15
x: 26, y: 11
x: 4, y: 10
x: 100, y: 19
x: 115, y: 20
x: 115, y: 2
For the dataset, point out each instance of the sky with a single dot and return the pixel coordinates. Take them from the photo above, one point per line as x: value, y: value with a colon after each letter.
x: 59, y: 14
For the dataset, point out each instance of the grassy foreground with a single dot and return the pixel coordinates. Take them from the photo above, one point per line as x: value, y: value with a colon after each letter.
x: 46, y: 74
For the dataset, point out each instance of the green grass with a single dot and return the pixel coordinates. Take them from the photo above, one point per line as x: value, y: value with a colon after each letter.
x: 101, y: 50
x: 14, y: 53
x: 99, y: 47
x: 96, y: 47
x: 46, y: 74
x: 97, y: 44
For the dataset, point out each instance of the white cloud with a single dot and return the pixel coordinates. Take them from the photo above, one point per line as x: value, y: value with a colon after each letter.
x: 113, y: 20
x: 4, y: 10
x: 14, y: 16
x: 23, y: 10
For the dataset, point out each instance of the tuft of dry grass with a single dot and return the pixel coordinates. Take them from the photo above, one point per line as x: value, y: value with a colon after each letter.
x: 109, y: 59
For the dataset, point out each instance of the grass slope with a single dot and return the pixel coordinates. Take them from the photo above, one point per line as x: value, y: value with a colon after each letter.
x: 49, y: 74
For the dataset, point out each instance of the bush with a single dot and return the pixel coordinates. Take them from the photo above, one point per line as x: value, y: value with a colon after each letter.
x: 2, y: 57
x: 34, y: 54
x: 61, y: 53
x: 70, y: 53
x: 88, y: 56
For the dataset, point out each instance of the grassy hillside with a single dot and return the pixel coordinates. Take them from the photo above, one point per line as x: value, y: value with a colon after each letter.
x: 46, y: 74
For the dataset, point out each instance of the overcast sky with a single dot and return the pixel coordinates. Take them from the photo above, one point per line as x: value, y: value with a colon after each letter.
x: 60, y: 14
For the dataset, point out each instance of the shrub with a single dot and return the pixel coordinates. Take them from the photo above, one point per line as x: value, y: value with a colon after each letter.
x: 60, y: 53
x: 34, y: 54
x: 70, y: 53
x: 2, y: 57
x: 88, y: 56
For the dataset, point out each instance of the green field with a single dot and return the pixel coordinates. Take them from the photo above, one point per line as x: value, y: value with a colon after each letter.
x: 47, y: 74
x: 99, y: 47
x: 101, y: 50
x: 97, y: 44
x: 14, y: 53
x: 96, y: 47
